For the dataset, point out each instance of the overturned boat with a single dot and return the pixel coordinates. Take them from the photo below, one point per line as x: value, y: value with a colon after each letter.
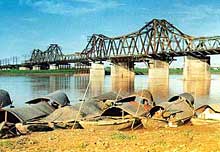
x: 177, y: 111
x: 207, y: 114
x: 69, y: 115
x: 36, y: 109
x: 5, y: 99
x: 56, y: 99
x: 124, y: 114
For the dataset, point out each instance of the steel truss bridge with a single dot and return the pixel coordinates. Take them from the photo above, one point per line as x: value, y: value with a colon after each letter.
x: 157, y: 39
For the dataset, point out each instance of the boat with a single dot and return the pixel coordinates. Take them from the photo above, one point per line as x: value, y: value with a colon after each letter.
x: 176, y: 112
x: 108, y: 123
x: 207, y: 114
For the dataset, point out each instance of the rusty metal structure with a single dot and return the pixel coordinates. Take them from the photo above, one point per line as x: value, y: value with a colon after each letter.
x: 51, y: 55
x: 157, y: 39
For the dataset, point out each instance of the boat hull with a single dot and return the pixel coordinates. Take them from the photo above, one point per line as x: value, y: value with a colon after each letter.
x: 107, y: 124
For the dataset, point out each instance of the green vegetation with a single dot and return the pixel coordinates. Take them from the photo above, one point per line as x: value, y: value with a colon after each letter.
x: 176, y: 71
x: 6, y: 144
x: 215, y: 70
x: 138, y: 71
x: 121, y: 136
x: 144, y: 71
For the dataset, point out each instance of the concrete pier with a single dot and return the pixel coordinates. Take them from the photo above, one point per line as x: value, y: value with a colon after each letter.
x: 158, y: 79
x: 196, y: 68
x: 158, y: 69
x: 122, y: 70
x: 97, y: 71
x: 97, y: 75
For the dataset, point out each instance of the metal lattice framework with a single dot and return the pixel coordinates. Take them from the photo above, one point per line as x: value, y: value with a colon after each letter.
x: 52, y: 55
x: 158, y: 39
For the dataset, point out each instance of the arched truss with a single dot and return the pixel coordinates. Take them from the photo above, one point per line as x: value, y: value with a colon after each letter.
x: 52, y: 55
x: 157, y: 39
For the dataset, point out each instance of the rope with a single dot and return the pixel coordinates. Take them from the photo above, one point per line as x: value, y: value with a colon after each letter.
x: 80, y: 108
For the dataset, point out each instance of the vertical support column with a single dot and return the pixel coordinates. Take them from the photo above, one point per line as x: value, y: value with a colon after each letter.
x: 196, y: 68
x: 158, y: 69
x: 122, y: 76
x: 158, y: 79
x: 122, y: 70
x: 97, y: 75
x: 97, y: 71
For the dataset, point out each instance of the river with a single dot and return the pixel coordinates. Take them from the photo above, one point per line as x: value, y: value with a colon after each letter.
x: 24, y: 88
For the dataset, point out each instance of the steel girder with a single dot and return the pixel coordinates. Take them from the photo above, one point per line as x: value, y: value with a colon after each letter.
x: 158, y: 39
x: 52, y: 55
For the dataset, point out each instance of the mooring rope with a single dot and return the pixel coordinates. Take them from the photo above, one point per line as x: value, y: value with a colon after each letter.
x: 80, y: 108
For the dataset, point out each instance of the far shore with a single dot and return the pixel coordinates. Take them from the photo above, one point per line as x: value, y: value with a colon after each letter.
x: 138, y: 71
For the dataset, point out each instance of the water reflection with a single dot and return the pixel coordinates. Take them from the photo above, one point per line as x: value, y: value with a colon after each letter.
x: 197, y: 88
x: 81, y: 81
x: 124, y: 85
x: 48, y: 84
x: 23, y: 88
x: 159, y: 89
x: 96, y: 86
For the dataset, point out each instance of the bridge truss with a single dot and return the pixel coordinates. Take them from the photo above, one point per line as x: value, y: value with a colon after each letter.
x: 158, y: 39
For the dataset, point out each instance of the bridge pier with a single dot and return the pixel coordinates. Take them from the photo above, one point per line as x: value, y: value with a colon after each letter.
x: 122, y: 76
x: 122, y: 69
x: 96, y: 77
x: 196, y: 68
x: 158, y: 79
x: 97, y: 71
x: 158, y: 69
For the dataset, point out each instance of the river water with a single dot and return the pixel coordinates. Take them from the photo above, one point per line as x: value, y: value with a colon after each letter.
x: 24, y: 88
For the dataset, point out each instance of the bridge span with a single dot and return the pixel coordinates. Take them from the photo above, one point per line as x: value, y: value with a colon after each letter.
x: 157, y: 43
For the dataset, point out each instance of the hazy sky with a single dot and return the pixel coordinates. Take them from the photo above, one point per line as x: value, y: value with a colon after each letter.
x: 29, y: 24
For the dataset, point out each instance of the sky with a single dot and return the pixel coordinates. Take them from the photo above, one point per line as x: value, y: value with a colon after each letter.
x: 29, y: 24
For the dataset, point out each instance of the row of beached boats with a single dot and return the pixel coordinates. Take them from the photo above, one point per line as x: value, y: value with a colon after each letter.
x: 109, y: 111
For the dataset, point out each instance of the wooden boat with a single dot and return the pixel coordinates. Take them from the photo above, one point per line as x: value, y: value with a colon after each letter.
x: 108, y: 123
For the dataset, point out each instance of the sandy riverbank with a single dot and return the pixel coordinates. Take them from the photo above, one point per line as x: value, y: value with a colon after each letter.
x: 185, y: 138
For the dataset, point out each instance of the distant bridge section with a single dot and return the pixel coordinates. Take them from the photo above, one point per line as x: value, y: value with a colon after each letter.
x: 53, y: 55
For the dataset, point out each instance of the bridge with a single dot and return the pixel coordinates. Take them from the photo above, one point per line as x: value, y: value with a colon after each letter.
x: 157, y: 43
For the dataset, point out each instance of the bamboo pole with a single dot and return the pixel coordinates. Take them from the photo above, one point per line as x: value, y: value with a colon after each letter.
x: 80, y: 108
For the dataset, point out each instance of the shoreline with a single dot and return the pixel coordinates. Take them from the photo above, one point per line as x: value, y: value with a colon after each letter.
x: 184, y: 138
x: 138, y: 71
